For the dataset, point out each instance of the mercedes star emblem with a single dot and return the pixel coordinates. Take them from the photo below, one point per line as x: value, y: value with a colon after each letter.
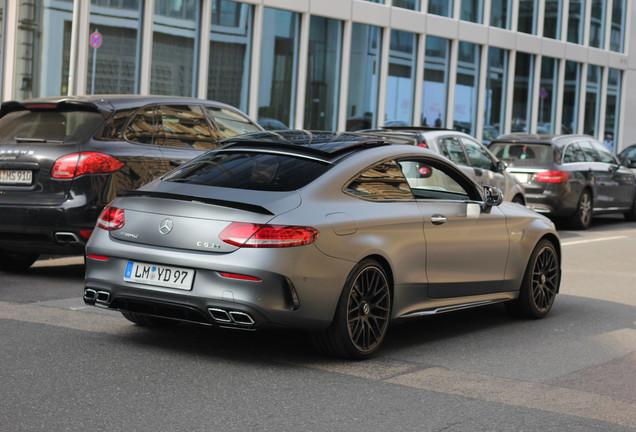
x: 165, y: 226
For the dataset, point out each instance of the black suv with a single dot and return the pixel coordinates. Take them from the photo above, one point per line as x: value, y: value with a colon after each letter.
x: 62, y: 160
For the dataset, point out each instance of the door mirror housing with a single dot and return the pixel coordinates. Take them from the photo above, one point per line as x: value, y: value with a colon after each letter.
x: 501, y: 166
x: 493, y: 196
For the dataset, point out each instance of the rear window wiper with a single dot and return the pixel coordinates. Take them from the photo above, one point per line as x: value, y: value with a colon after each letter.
x: 39, y: 140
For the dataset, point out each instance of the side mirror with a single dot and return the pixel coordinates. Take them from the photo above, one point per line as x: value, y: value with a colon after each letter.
x: 493, y: 196
x: 630, y: 163
x: 501, y: 166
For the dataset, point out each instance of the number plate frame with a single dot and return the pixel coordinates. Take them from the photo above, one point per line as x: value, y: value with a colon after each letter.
x: 159, y: 275
x: 16, y: 177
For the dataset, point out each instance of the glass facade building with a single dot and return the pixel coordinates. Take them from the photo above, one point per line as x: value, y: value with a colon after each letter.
x: 485, y: 67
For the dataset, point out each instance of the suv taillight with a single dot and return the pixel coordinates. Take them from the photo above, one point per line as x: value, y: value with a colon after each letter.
x: 111, y: 218
x: 552, y: 176
x: 267, y: 236
x: 77, y: 164
x: 423, y: 144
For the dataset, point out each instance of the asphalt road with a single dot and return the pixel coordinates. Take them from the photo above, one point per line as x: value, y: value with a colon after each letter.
x: 67, y: 367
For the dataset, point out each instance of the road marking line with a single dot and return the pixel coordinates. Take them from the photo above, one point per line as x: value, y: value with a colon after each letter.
x: 591, y: 240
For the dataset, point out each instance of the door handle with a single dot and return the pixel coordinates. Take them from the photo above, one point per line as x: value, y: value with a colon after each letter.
x: 478, y: 171
x: 438, y: 219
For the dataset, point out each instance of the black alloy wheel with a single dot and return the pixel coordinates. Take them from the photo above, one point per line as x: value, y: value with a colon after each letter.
x: 540, y: 283
x: 362, y: 316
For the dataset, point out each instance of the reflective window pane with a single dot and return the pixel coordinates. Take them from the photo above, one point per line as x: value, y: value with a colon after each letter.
x: 401, y: 80
x: 571, y: 93
x: 592, y: 100
x: 548, y: 94
x: 323, y: 74
x: 612, y: 108
x: 362, y: 102
x: 552, y: 20
x: 113, y: 67
x: 500, y: 11
x: 575, y: 21
x: 495, y: 100
x: 527, y: 16
x: 467, y: 86
x: 472, y: 10
x: 407, y: 4
x: 43, y: 49
x: 618, y: 26
x: 279, y: 66
x: 597, y: 24
x: 435, y: 88
x: 185, y: 126
x: 230, y: 49
x: 174, y: 31
x: 441, y: 7
x: 522, y: 97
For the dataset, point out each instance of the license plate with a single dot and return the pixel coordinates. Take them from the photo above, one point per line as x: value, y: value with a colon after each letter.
x: 16, y: 177
x: 159, y: 275
x: 522, y: 177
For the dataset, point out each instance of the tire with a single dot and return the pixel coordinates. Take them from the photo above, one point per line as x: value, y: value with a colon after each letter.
x: 16, y: 262
x: 147, y: 320
x: 582, y: 217
x: 631, y: 214
x: 518, y: 199
x: 540, y: 283
x: 362, y: 315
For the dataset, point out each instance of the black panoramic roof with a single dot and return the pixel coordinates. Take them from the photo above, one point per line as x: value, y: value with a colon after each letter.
x: 538, y: 138
x: 321, y: 144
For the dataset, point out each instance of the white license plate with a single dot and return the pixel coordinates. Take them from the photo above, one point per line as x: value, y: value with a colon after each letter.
x: 16, y: 177
x: 522, y: 177
x: 159, y: 275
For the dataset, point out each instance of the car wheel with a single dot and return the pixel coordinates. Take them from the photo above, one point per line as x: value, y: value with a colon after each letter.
x: 147, y: 320
x: 631, y: 214
x: 582, y: 217
x: 16, y: 262
x: 540, y: 283
x: 362, y: 315
x: 518, y: 199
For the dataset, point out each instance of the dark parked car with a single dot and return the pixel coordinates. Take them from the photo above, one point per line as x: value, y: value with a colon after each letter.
x: 628, y: 157
x: 338, y: 234
x: 62, y: 160
x: 466, y: 152
x: 569, y: 176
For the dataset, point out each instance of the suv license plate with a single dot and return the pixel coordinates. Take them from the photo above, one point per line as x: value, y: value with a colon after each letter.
x: 159, y: 275
x: 16, y: 177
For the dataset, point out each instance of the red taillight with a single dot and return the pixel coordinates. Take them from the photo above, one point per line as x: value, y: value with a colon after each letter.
x: 77, y: 164
x: 239, y: 277
x: 423, y: 145
x: 267, y: 236
x: 552, y: 176
x: 111, y: 218
x: 86, y: 233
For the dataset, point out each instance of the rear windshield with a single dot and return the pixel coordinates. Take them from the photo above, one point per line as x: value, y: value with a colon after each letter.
x: 252, y: 171
x: 522, y: 154
x: 48, y: 125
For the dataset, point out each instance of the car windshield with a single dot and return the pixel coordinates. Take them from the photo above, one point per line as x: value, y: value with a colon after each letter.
x: 523, y: 154
x: 250, y: 170
x: 50, y: 125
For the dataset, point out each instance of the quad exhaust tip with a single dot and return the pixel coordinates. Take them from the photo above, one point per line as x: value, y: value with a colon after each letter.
x: 223, y: 316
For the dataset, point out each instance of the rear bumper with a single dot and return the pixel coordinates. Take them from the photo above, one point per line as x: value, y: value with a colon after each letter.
x: 46, y: 229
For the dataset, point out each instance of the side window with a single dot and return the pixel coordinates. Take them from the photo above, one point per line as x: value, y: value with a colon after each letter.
x: 604, y: 153
x: 430, y: 181
x: 114, y: 127
x: 231, y: 123
x: 142, y: 128
x: 185, y: 126
x: 573, y: 153
x: 454, y: 150
x: 383, y: 181
x: 588, y: 151
x: 479, y: 157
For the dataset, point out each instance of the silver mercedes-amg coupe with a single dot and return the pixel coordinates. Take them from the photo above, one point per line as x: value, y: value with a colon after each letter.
x: 335, y: 233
